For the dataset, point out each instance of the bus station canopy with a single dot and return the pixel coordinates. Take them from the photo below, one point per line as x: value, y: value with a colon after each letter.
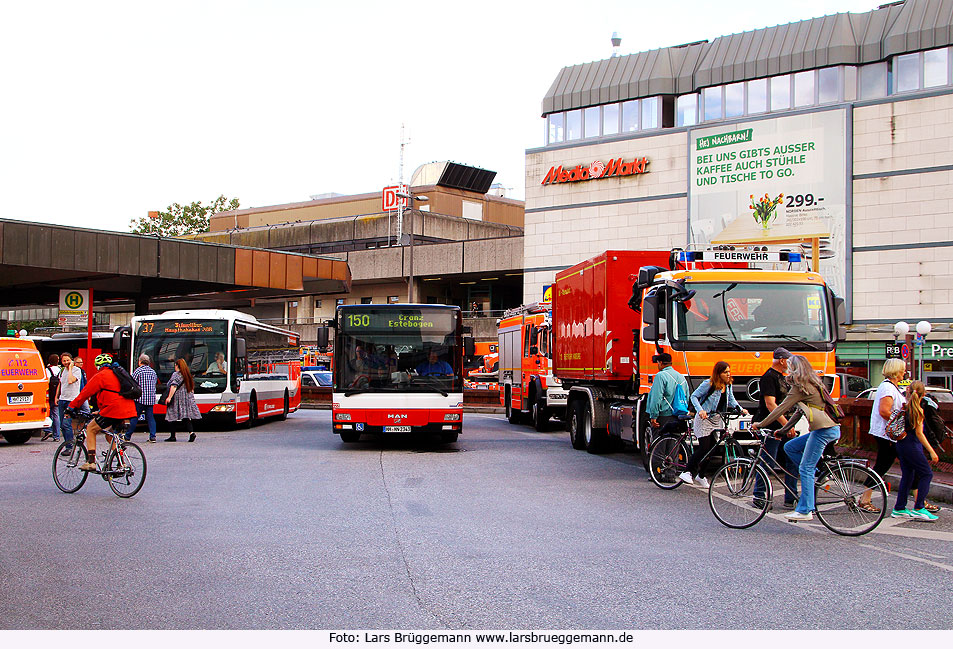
x: 37, y: 260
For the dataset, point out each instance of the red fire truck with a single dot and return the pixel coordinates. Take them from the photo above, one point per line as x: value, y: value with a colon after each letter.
x: 527, y: 385
x: 613, y: 312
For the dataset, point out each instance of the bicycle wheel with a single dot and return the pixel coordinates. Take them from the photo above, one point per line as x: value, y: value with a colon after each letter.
x: 66, y: 474
x: 731, y: 494
x: 126, y: 470
x: 667, y: 459
x: 840, y: 487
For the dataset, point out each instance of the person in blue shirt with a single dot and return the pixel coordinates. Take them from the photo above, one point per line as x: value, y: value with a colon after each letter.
x: 658, y: 407
x: 434, y: 366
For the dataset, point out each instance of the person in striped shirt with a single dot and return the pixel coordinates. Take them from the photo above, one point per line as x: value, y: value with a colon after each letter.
x: 146, y: 377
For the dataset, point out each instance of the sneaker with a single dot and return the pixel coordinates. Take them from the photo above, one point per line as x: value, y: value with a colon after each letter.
x: 798, y: 516
x: 46, y: 436
x: 67, y: 451
x: 152, y: 440
x: 901, y: 513
x: 759, y: 503
x: 790, y: 506
x: 685, y: 477
x: 702, y: 482
x: 89, y: 466
x: 923, y: 515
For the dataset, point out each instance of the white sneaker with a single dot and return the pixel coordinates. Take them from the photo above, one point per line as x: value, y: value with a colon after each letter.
x: 702, y: 482
x: 798, y: 516
x: 685, y: 477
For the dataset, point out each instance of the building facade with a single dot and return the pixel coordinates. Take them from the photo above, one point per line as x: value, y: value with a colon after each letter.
x: 849, y: 117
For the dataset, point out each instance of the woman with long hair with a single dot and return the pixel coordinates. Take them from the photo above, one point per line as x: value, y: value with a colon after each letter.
x: 180, y: 404
x: 808, y: 393
x: 713, y: 395
x: 915, y: 471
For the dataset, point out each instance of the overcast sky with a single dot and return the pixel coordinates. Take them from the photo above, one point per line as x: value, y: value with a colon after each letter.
x: 112, y: 109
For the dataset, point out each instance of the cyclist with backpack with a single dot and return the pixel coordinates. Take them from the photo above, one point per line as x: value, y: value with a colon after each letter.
x: 116, y: 407
x: 668, y: 397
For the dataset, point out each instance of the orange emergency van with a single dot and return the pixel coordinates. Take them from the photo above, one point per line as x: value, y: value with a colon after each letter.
x: 23, y: 386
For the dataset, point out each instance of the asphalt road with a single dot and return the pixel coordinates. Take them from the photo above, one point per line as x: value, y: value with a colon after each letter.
x: 284, y: 526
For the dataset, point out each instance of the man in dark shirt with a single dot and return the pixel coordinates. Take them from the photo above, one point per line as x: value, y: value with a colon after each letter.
x: 772, y: 391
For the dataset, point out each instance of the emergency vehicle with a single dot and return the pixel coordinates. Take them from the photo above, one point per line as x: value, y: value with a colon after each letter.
x: 527, y: 385
x: 24, y: 409
x: 613, y: 312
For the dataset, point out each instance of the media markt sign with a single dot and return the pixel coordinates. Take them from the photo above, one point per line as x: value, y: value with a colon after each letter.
x: 74, y: 306
x: 616, y: 167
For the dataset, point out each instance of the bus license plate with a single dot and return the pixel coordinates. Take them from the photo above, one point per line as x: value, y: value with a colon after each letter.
x: 396, y: 429
x: 19, y: 399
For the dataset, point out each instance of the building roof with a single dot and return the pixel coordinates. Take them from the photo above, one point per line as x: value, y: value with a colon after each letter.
x: 839, y: 39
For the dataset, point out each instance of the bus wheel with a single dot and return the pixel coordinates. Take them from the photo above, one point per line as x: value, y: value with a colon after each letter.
x: 284, y: 413
x: 350, y: 436
x: 577, y: 415
x: 449, y: 438
x: 252, y: 411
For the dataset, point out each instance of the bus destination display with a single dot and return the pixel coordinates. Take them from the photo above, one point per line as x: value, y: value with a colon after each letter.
x: 183, y: 327
x: 397, y: 321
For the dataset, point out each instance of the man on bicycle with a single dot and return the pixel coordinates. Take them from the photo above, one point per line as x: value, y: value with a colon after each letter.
x: 114, y: 410
x: 661, y: 400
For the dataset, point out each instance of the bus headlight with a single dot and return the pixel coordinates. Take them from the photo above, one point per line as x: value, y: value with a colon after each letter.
x: 342, y: 416
x: 453, y: 416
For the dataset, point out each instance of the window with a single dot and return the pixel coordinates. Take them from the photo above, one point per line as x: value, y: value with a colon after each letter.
x: 936, y: 68
x: 630, y: 116
x: 829, y: 85
x: 367, y: 300
x: 317, y: 304
x: 873, y: 81
x: 686, y: 110
x: 610, y: 119
x: 907, y: 72
x: 392, y: 299
x: 711, y: 102
x: 781, y: 92
x: 735, y: 100
x: 473, y: 210
x: 650, y: 113
x: 592, y: 121
x: 557, y: 122
x: 804, y: 88
x: 573, y: 125
x: 757, y: 96
x: 340, y: 301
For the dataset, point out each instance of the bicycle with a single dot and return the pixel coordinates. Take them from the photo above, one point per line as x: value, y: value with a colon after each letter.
x: 123, y: 465
x: 670, y: 451
x: 838, y: 488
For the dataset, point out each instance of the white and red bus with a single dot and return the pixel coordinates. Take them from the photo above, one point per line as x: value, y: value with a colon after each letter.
x: 398, y: 368
x: 243, y: 369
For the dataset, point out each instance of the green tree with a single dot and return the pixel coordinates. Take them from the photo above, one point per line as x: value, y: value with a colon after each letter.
x: 178, y: 220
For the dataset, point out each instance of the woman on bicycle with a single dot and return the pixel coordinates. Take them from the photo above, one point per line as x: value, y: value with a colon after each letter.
x: 713, y: 395
x: 808, y: 393
x: 181, y: 400
x: 912, y: 450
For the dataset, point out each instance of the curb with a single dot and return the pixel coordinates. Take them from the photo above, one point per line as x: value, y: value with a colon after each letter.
x: 939, y: 491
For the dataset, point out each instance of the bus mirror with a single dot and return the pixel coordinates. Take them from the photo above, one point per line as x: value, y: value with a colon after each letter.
x: 117, y: 336
x: 650, y: 310
x: 323, y: 335
x: 840, y: 313
x: 240, y: 348
x: 469, y: 347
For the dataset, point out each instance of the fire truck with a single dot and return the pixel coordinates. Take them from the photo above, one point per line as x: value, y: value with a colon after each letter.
x: 527, y: 385
x: 613, y: 312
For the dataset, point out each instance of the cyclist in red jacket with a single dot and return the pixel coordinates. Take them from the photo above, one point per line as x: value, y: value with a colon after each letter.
x: 114, y: 410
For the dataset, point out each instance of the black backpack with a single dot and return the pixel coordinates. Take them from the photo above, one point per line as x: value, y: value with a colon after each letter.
x: 128, y: 387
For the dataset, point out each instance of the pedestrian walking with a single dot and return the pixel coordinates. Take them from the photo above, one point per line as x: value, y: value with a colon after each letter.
x: 78, y: 362
x: 68, y: 388
x: 807, y: 392
x: 53, y: 370
x: 772, y: 390
x: 713, y: 395
x: 146, y: 377
x: 912, y: 450
x: 936, y: 432
x: 660, y: 405
x: 180, y: 404
x: 887, y: 400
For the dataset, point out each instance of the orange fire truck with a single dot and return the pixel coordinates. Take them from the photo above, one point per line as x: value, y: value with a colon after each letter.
x: 527, y: 385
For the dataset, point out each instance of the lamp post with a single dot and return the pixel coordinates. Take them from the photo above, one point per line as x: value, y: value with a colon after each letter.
x: 410, y: 261
x: 923, y: 328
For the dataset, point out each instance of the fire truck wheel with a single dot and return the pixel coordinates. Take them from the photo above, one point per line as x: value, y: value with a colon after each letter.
x: 577, y: 414
x: 597, y: 440
x: 645, y: 440
x: 540, y: 416
x: 513, y: 415
x: 350, y: 436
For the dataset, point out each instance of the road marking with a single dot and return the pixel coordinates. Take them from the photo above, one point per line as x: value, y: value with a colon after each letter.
x: 936, y: 564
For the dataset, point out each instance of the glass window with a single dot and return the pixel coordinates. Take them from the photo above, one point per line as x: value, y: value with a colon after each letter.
x: 557, y: 122
x: 829, y: 86
x: 907, y: 72
x: 592, y: 119
x: 936, y: 68
x: 757, y: 96
x: 650, y: 113
x: 610, y: 119
x: 873, y: 81
x: 735, y: 100
x: 573, y: 124
x: 781, y: 92
x: 686, y: 110
x: 711, y: 101
x: 804, y: 88
x: 630, y: 116
x: 367, y: 300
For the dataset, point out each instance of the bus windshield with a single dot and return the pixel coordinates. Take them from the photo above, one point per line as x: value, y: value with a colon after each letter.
x: 775, y: 314
x: 398, y: 350
x: 202, y: 343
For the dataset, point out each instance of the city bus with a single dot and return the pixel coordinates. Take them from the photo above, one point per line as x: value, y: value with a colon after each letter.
x: 244, y: 370
x: 398, y: 368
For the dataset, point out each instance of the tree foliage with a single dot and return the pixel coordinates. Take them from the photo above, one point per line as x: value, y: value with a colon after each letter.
x: 177, y: 219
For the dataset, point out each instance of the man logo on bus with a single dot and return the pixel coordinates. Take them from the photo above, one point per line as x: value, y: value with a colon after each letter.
x: 397, y: 417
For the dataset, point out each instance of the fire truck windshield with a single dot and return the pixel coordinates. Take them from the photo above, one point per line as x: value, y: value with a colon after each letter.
x: 755, y: 315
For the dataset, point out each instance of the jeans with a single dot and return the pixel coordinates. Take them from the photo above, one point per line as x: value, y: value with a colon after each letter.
x: 66, y: 424
x: 805, y: 451
x: 54, y: 428
x: 771, y: 446
x: 150, y: 420
x: 915, y: 472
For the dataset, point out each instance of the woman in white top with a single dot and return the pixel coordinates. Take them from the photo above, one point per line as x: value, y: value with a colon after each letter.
x: 888, y: 399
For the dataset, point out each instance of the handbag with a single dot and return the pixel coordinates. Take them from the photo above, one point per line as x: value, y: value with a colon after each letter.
x: 164, y: 396
x: 896, y: 428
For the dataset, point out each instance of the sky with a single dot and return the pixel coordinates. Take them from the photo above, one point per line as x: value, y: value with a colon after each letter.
x: 111, y: 109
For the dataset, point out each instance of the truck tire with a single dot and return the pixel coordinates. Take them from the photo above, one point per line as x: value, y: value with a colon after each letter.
x: 513, y: 415
x: 597, y: 439
x: 645, y: 443
x: 575, y: 423
x: 540, y: 416
x: 18, y: 437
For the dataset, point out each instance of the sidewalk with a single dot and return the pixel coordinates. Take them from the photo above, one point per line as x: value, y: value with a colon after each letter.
x: 941, y: 489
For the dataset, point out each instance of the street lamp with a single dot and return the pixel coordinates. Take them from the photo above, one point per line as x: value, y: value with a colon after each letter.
x: 923, y: 328
x: 410, y: 278
x: 900, y: 330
